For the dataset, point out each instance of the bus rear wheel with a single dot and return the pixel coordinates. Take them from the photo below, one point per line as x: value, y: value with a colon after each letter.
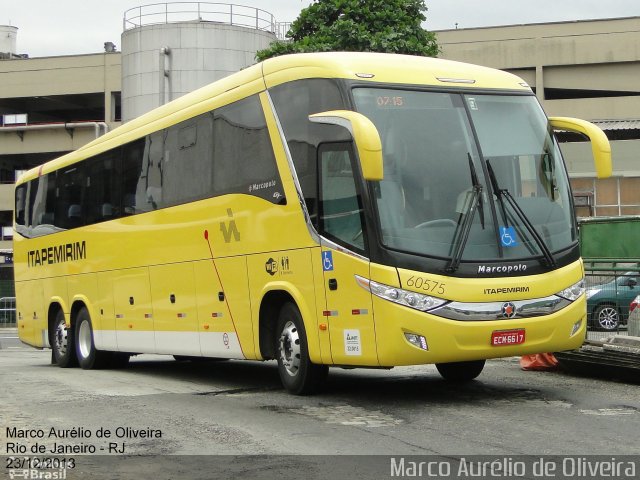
x: 62, y: 343
x: 88, y: 357
x: 460, y: 371
x: 298, y: 375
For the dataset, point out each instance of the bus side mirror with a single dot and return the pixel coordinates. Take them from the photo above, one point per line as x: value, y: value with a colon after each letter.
x: 365, y: 136
x: 599, y: 141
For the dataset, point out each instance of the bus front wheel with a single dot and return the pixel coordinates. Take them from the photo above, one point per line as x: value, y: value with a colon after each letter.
x: 88, y: 356
x: 62, y: 343
x: 460, y: 371
x: 298, y: 375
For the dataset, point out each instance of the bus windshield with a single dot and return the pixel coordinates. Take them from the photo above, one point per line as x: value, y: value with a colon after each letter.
x: 473, y: 176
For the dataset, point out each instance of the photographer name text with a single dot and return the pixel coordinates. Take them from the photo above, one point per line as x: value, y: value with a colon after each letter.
x: 77, y: 440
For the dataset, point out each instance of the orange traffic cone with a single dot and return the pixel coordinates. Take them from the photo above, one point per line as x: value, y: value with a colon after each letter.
x: 539, y: 361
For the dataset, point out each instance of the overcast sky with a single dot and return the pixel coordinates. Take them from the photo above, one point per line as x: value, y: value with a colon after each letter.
x: 66, y: 27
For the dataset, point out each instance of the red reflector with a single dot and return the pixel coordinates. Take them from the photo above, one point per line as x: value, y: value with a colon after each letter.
x: 501, y: 338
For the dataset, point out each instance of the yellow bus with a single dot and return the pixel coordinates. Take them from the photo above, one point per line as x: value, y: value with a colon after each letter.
x: 339, y: 209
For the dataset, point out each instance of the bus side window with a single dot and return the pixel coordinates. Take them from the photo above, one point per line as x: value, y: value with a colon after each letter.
x: 44, y: 201
x: 132, y: 155
x: 243, y: 156
x: 341, y: 212
x: 182, y: 169
x: 149, y: 191
x: 21, y: 204
x: 70, y: 186
x: 294, y: 102
x: 102, y: 187
x: 21, y: 210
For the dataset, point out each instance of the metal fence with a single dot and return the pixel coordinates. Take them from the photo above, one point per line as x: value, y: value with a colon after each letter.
x: 7, y: 293
x: 611, y: 290
x: 7, y: 312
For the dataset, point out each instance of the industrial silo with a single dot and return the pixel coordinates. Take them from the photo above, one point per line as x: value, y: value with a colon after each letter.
x: 8, y: 35
x: 169, y: 49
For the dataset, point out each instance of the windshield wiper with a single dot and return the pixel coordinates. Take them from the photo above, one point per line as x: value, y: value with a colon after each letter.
x: 504, y: 193
x: 461, y: 235
x: 476, y: 185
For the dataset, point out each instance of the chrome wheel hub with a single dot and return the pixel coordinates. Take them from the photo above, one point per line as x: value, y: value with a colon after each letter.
x: 60, y: 338
x: 289, y: 349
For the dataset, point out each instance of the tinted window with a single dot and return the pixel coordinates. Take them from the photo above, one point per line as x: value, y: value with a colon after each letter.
x: 173, y: 166
x: 294, y: 102
x: 71, y: 185
x: 33, y: 190
x: 134, y: 179
x: 187, y: 163
x: 341, y: 213
x: 45, y: 200
x: 243, y: 155
x: 21, y: 204
x: 102, y: 194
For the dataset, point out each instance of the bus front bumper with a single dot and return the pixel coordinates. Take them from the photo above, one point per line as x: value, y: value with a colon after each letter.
x: 411, y: 337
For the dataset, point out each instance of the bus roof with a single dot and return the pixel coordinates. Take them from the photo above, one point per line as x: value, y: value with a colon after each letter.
x: 387, y: 68
x: 366, y: 67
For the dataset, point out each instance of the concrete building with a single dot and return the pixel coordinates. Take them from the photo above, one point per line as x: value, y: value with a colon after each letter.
x: 585, y: 69
x: 50, y: 106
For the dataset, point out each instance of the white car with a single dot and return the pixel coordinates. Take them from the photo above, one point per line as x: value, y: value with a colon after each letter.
x: 634, y: 318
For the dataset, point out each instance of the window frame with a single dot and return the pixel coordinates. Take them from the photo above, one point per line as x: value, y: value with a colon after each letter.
x: 348, y: 148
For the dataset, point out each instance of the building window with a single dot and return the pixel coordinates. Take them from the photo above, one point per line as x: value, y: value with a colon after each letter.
x: 612, y: 196
x: 116, y: 107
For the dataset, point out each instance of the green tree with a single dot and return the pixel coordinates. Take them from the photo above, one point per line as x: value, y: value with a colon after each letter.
x: 392, y: 26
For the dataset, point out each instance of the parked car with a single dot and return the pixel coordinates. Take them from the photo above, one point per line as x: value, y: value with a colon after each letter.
x: 634, y: 317
x: 608, y: 304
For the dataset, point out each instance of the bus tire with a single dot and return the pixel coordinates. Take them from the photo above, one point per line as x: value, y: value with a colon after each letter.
x: 88, y: 357
x: 298, y: 375
x: 62, y: 343
x: 460, y: 371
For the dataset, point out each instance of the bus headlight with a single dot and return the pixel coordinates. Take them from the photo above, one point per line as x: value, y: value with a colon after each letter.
x: 398, y: 295
x: 573, y: 292
x: 416, y: 340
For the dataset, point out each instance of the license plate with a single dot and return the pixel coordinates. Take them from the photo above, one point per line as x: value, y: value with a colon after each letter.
x: 501, y: 338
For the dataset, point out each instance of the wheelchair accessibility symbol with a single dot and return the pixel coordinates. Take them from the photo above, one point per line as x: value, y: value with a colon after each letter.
x: 508, y: 237
x: 327, y: 261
